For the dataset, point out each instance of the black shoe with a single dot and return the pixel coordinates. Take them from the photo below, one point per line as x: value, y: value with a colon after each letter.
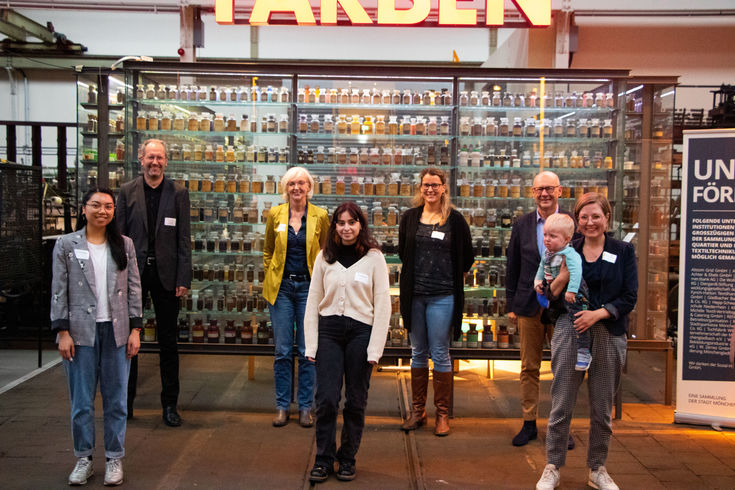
x: 528, y: 433
x: 346, y: 472
x: 571, y: 444
x: 171, y: 416
x: 319, y: 473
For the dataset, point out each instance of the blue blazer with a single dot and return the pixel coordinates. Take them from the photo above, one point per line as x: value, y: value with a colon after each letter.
x: 620, y: 278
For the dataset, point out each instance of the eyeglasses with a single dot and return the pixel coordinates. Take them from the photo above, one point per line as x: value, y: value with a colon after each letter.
x: 96, y: 206
x: 548, y: 189
x: 584, y: 218
x: 431, y: 186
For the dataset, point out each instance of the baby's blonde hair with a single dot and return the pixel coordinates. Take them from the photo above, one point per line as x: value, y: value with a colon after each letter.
x: 561, y: 222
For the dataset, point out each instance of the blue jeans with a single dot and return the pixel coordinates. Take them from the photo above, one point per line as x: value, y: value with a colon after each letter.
x: 431, y: 325
x: 342, y: 353
x: 108, y: 364
x: 288, y: 310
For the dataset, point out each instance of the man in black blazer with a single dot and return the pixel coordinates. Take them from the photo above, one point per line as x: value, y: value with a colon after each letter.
x: 524, y: 251
x: 154, y: 212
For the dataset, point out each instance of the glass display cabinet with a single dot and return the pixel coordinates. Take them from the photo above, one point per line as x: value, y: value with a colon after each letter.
x: 364, y: 133
x: 101, y: 122
x: 229, y: 138
x: 649, y: 119
x: 509, y: 130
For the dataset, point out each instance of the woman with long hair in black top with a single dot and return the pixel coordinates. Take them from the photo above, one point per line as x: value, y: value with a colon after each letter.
x: 435, y: 247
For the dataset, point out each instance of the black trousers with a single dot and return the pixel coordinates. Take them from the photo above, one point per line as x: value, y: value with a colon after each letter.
x: 342, y: 352
x: 166, y: 307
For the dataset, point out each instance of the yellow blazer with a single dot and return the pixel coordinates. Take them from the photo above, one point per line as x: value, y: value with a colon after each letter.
x: 276, y: 242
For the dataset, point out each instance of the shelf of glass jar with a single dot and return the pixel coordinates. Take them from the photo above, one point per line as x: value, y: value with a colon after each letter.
x: 550, y: 100
x: 198, y: 94
x: 349, y: 126
x: 569, y: 130
x: 308, y: 96
x: 195, y: 123
x: 369, y: 157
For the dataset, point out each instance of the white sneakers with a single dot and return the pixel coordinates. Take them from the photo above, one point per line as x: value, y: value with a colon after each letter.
x: 549, y: 479
x: 83, y: 471
x: 597, y: 479
x: 601, y: 480
x: 113, y: 472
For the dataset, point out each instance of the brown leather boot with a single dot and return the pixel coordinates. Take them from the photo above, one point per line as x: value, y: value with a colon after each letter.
x: 442, y: 400
x: 419, y: 384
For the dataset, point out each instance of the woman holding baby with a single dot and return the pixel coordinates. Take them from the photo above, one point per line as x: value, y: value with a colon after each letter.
x: 610, y: 271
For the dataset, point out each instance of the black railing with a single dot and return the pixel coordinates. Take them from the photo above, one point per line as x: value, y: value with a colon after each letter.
x: 25, y: 268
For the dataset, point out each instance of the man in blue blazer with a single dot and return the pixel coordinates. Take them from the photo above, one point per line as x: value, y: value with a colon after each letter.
x: 524, y: 252
x: 154, y: 212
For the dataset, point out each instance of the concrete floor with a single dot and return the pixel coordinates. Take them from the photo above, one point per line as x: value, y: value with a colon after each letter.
x: 227, y: 440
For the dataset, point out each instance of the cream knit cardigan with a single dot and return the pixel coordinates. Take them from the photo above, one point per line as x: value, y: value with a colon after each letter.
x: 360, y: 292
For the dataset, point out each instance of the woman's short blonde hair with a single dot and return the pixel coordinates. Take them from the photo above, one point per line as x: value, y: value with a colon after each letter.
x: 294, y: 173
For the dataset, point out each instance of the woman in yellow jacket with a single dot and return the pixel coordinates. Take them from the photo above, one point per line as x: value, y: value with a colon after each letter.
x: 294, y: 235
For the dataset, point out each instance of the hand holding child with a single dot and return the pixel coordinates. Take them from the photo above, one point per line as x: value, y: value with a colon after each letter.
x: 570, y: 297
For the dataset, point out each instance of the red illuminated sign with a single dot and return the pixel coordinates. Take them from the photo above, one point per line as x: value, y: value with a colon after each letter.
x: 537, y: 13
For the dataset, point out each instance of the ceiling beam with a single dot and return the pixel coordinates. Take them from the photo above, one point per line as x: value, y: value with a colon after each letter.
x: 18, y: 27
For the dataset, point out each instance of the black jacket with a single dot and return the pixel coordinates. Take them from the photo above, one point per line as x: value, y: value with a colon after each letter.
x: 173, y: 240
x: 462, y: 260
x: 620, y: 278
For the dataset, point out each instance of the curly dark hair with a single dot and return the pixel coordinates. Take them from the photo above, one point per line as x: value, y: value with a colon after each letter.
x: 365, y: 240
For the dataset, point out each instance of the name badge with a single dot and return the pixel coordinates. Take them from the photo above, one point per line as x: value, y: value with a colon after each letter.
x: 281, y: 228
x: 81, y: 254
x: 437, y: 235
x: 363, y: 278
x: 169, y: 221
x: 608, y: 257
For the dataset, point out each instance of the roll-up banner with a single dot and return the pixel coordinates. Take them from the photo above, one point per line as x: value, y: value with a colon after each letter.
x: 705, y: 388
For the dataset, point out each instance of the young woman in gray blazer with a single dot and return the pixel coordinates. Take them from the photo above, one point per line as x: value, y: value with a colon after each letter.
x: 97, y: 312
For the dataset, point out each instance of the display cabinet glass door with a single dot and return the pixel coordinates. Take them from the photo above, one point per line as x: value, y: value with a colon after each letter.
x: 649, y: 111
x: 229, y: 139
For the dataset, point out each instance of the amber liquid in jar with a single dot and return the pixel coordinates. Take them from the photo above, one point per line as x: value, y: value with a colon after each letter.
x: 326, y: 185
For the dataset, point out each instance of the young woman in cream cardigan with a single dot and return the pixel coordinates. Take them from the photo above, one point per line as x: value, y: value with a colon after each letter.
x: 345, y: 325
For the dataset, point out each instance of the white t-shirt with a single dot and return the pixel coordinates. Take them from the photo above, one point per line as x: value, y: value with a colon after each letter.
x: 99, y: 254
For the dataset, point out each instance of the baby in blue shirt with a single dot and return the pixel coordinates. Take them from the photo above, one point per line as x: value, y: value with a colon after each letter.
x: 558, y: 231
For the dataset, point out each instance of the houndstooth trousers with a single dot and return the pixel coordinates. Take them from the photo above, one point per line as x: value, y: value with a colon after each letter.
x: 608, y: 356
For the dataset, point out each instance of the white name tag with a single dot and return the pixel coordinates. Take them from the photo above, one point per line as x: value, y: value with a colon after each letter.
x: 169, y: 221
x: 363, y: 278
x: 608, y: 257
x: 81, y: 254
x: 281, y: 228
x: 438, y: 235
